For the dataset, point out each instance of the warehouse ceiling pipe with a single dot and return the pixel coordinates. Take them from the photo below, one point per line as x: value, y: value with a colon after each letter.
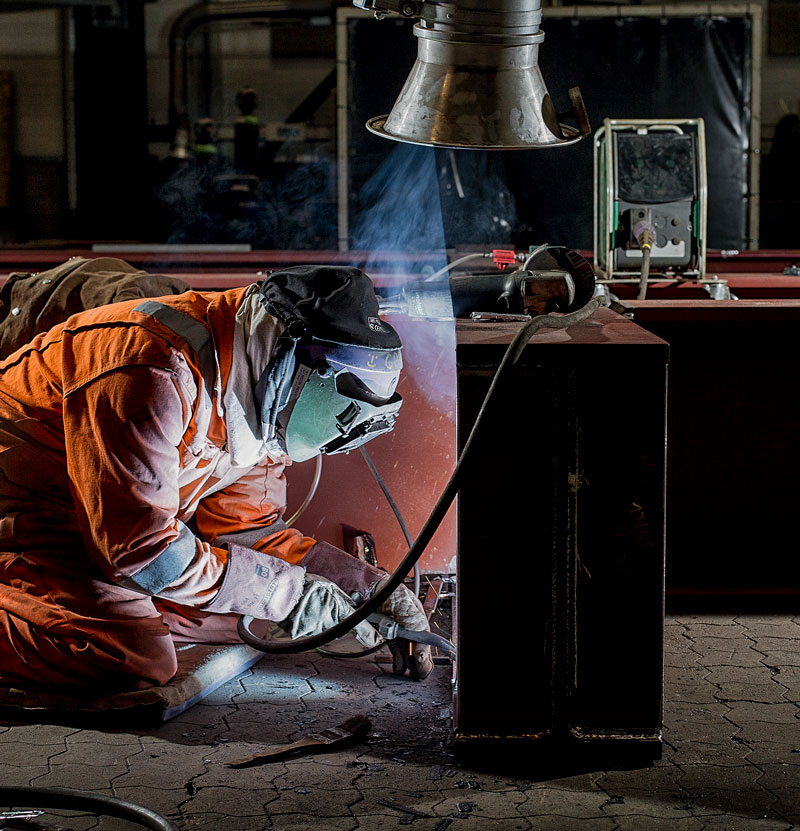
x: 476, y: 82
x: 205, y: 13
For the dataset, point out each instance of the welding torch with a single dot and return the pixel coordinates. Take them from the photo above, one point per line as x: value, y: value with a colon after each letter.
x: 390, y: 630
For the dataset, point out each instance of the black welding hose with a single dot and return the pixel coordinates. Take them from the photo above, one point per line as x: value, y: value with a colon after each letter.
x: 68, y: 799
x: 511, y: 356
x: 443, y: 644
x: 395, y: 510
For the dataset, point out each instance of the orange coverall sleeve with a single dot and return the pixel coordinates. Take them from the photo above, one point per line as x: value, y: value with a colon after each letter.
x: 123, y: 433
x: 246, y: 508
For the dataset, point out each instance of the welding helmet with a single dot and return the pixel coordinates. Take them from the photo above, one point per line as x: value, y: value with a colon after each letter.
x: 347, y: 361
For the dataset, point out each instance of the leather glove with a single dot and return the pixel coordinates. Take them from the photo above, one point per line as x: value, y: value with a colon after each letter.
x: 404, y: 607
x: 360, y: 581
x: 322, y: 605
x: 257, y: 584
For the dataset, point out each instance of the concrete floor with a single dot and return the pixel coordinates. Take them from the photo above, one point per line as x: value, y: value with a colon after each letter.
x: 731, y: 750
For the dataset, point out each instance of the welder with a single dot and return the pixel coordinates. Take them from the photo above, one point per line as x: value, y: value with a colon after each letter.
x: 143, y: 449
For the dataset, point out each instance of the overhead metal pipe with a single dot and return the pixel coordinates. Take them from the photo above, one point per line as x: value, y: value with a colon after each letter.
x: 476, y: 82
x: 202, y: 14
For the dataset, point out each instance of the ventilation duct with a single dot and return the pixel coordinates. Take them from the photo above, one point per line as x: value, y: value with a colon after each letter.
x: 476, y: 82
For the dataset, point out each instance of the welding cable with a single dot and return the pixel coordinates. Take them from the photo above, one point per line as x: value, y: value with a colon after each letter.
x: 511, y: 356
x: 645, y: 235
x: 395, y: 510
x: 642, y: 293
x: 393, y: 505
x: 533, y: 254
x: 69, y: 799
x: 310, y: 495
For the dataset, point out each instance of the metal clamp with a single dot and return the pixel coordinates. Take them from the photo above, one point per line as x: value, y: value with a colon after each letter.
x: 387, y: 628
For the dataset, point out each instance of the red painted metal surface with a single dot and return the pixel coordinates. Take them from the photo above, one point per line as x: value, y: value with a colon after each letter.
x: 415, y: 460
x: 714, y: 311
x: 215, y: 269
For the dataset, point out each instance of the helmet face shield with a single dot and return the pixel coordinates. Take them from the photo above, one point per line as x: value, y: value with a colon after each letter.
x: 375, y: 371
x: 342, y: 397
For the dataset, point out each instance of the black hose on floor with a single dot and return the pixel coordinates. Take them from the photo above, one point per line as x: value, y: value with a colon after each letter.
x: 68, y: 799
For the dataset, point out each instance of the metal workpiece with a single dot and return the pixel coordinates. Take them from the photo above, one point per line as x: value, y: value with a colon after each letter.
x: 476, y: 82
x: 578, y: 520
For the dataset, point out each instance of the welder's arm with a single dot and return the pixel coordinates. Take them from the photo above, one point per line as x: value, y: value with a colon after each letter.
x: 247, y: 515
x: 124, y: 432
x: 249, y: 512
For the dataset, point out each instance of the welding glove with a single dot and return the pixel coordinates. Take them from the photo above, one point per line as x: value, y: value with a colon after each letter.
x: 404, y: 607
x: 258, y: 585
x: 322, y: 605
x: 355, y: 577
x: 360, y: 581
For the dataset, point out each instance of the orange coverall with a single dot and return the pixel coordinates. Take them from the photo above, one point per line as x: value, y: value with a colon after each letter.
x: 114, y: 449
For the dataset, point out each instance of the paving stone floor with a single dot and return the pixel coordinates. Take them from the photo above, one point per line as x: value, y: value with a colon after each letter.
x: 731, y: 751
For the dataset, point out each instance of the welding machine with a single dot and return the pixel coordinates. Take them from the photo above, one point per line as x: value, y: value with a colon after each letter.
x: 650, y: 200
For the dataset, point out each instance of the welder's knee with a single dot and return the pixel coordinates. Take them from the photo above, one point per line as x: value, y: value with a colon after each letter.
x: 106, y: 659
x: 60, y: 625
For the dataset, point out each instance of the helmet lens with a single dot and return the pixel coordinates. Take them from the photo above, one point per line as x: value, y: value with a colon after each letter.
x: 337, y: 412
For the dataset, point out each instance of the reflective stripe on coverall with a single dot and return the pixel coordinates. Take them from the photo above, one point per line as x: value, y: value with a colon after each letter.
x: 117, y: 464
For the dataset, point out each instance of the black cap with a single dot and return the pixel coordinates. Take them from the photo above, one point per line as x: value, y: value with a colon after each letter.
x: 328, y: 302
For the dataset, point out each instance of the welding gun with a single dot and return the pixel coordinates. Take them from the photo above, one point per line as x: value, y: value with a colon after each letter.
x: 390, y: 630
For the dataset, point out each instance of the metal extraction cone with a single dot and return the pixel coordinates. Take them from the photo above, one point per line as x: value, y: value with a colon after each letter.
x: 476, y: 82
